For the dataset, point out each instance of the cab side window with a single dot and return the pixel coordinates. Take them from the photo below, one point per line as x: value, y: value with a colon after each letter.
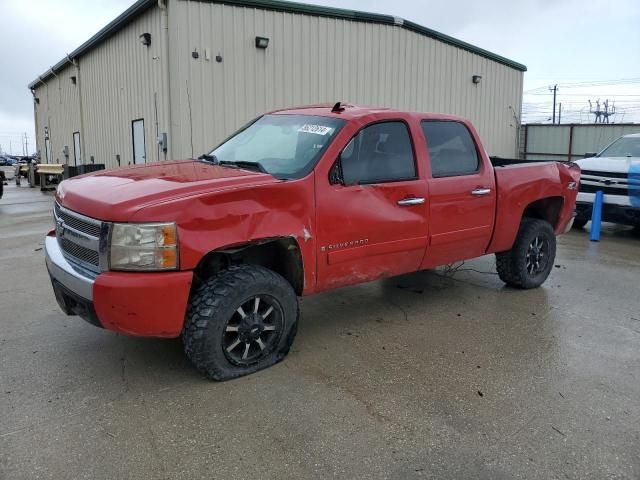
x: 381, y: 152
x: 451, y: 149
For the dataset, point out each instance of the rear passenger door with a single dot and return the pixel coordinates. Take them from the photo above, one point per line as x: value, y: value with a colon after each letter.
x: 462, y: 194
x: 371, y: 211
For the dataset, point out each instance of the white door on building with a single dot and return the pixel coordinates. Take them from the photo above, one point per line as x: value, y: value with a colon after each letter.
x: 139, y: 152
x: 76, y: 148
x: 47, y: 150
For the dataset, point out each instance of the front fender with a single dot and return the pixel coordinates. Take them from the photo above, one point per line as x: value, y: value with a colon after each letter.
x: 222, y: 220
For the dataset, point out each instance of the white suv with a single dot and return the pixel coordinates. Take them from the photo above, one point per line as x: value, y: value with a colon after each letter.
x: 615, y: 171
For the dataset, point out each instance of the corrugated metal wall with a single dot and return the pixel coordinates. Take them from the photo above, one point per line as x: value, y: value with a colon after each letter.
x: 317, y: 59
x: 58, y: 111
x: 546, y: 142
x: 120, y: 80
x: 309, y: 60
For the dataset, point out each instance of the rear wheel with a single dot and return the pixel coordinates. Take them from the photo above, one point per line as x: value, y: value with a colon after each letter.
x: 530, y: 260
x: 242, y: 320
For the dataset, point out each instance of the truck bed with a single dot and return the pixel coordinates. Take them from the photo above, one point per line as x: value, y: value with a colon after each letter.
x: 503, y: 162
x: 518, y: 183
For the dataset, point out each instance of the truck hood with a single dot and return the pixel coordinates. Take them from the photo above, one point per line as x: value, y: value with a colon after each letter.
x: 610, y: 164
x: 116, y: 195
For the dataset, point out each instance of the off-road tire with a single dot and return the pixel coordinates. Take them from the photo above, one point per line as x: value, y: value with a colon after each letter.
x: 579, y: 222
x: 214, y: 303
x: 512, y: 265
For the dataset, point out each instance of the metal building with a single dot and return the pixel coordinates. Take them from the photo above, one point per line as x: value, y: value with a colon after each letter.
x: 190, y: 72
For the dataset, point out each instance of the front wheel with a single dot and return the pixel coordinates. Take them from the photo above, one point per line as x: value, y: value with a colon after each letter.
x: 240, y: 321
x: 530, y: 260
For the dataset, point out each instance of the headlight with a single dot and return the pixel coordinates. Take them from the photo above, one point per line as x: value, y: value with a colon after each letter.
x: 139, y: 246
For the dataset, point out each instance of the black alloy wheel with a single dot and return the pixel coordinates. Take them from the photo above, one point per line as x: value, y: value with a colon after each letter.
x: 253, y: 330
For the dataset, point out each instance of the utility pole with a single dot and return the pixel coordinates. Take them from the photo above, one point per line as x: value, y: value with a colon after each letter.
x: 554, y: 89
x: 559, y: 113
x: 26, y: 143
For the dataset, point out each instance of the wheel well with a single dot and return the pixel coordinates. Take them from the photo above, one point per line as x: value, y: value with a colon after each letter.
x: 545, y: 209
x: 282, y: 255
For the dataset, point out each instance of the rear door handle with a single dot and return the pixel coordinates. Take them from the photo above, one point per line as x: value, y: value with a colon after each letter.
x: 478, y: 192
x: 407, y: 202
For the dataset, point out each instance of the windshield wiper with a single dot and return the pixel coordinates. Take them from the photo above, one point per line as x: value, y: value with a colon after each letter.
x: 244, y: 164
x: 209, y: 159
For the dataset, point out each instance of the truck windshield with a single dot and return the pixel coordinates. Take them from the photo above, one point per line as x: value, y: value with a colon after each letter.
x: 623, y: 147
x: 286, y: 146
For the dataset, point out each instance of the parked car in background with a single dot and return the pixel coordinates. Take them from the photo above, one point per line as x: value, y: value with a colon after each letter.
x: 297, y: 202
x: 616, y: 172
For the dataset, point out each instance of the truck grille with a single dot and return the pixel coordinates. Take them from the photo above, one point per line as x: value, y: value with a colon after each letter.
x: 77, y: 222
x: 593, y: 173
x: 606, y: 189
x: 78, y: 237
x: 610, y: 183
x: 83, y: 254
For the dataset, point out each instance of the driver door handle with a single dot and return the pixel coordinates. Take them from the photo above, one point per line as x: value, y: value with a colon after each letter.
x: 478, y: 192
x: 407, y: 202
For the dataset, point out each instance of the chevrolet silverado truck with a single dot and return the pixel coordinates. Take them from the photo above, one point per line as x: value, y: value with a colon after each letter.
x: 218, y: 250
x: 616, y: 172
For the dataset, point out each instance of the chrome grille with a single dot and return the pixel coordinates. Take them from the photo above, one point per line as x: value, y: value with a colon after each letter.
x: 78, y: 223
x: 81, y: 253
x: 78, y: 237
x: 606, y: 189
x: 610, y: 183
x: 596, y: 174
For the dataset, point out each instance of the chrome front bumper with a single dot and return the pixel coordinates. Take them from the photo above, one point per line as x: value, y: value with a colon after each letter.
x: 60, y: 270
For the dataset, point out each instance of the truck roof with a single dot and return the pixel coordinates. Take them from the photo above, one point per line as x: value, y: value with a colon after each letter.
x: 349, y: 111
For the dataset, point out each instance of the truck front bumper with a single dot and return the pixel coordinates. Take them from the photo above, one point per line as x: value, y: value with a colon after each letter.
x: 621, y: 214
x: 133, y: 303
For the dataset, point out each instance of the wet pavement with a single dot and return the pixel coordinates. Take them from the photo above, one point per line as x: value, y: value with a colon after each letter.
x: 443, y: 374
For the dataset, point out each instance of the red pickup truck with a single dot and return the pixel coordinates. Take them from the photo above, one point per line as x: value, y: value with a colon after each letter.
x: 296, y: 202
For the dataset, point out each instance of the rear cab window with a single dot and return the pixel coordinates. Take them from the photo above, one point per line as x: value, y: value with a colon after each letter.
x: 452, y: 151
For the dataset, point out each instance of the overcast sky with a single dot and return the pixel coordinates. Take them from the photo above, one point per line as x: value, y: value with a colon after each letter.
x: 595, y: 43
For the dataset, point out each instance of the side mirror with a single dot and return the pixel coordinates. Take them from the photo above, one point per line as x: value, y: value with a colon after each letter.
x: 590, y: 154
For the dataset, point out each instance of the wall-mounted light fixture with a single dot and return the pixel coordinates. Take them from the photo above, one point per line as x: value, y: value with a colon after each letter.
x: 74, y: 79
x: 145, y: 39
x: 37, y: 100
x: 476, y: 79
x: 262, y: 42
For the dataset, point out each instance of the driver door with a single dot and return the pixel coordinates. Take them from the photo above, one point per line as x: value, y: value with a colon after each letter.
x: 371, y: 222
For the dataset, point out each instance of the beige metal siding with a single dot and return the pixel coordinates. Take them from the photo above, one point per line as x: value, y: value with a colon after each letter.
x: 316, y: 59
x: 120, y: 79
x: 57, y: 110
x: 309, y: 60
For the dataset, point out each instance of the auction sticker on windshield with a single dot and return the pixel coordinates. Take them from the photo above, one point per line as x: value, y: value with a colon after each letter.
x: 317, y: 129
